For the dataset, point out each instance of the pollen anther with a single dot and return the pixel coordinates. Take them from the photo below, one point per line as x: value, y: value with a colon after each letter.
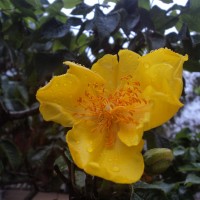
x: 125, y: 105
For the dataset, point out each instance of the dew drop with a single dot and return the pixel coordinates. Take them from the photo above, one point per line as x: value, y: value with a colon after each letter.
x: 90, y: 149
x: 115, y: 169
x: 146, y: 66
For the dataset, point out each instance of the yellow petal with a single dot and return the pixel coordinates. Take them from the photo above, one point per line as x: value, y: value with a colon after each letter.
x: 163, y: 108
x: 107, y: 67
x: 85, y: 75
x: 160, y: 75
x: 167, y: 56
x: 112, y: 70
x: 130, y: 134
x: 58, y: 99
x: 161, y: 78
x: 160, y: 65
x: 128, y: 63
x: 119, y: 163
x: 163, y: 64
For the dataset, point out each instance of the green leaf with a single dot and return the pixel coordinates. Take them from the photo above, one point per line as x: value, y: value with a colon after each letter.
x: 135, y: 196
x: 80, y: 178
x: 161, y: 20
x: 190, y: 167
x: 25, y: 8
x: 105, y: 24
x: 148, y: 194
x: 68, y: 155
x: 82, y: 9
x: 10, y: 152
x: 183, y: 134
x: 196, y: 38
x: 14, y: 93
x: 155, y: 40
x: 186, y: 40
x: 192, y: 16
x: 195, y: 52
x: 137, y: 43
x: 60, y: 161
x: 71, y: 3
x: 55, y: 7
x: 179, y: 151
x: 114, y: 1
x: 15, y: 103
x: 74, y: 21
x: 144, y: 4
x: 192, y: 179
x: 45, y: 63
x: 167, y: 1
x: 156, y: 138
x: 36, y: 3
x: 5, y: 5
x: 24, y: 4
x: 130, y: 22
x: 54, y: 29
x: 192, y: 65
x: 165, y: 187
x: 41, y: 154
x: 191, y: 154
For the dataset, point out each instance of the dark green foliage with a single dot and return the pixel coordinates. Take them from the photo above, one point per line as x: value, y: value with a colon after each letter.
x: 35, y: 39
x: 9, y: 153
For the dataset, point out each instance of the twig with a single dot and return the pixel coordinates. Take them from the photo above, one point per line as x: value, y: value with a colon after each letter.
x: 73, y: 191
x: 6, y: 115
x: 24, y: 113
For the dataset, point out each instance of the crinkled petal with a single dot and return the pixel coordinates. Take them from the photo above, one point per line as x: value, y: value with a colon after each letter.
x: 163, y: 108
x: 130, y: 134
x: 163, y: 65
x: 167, y: 56
x: 58, y: 99
x: 160, y: 75
x: 119, y: 163
x: 113, y: 70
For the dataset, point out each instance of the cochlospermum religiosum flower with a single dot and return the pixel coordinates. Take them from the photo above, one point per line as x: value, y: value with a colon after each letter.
x: 110, y: 106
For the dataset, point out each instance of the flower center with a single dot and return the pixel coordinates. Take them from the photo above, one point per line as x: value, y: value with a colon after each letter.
x: 108, y: 110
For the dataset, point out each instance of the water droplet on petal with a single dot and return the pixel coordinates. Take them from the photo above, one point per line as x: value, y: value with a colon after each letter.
x: 115, y: 169
x: 146, y: 66
x: 90, y: 149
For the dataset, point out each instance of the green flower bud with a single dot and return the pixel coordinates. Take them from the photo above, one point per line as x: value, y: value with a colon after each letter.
x: 157, y: 160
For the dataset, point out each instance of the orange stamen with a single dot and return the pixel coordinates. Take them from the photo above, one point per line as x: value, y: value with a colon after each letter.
x: 125, y: 105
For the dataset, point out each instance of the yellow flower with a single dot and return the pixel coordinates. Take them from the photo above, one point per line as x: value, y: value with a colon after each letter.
x: 110, y: 106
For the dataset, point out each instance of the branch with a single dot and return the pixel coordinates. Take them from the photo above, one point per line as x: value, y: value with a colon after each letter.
x: 24, y: 113
x: 6, y: 115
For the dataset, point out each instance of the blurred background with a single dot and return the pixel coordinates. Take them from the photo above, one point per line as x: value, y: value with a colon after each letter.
x: 37, y: 36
